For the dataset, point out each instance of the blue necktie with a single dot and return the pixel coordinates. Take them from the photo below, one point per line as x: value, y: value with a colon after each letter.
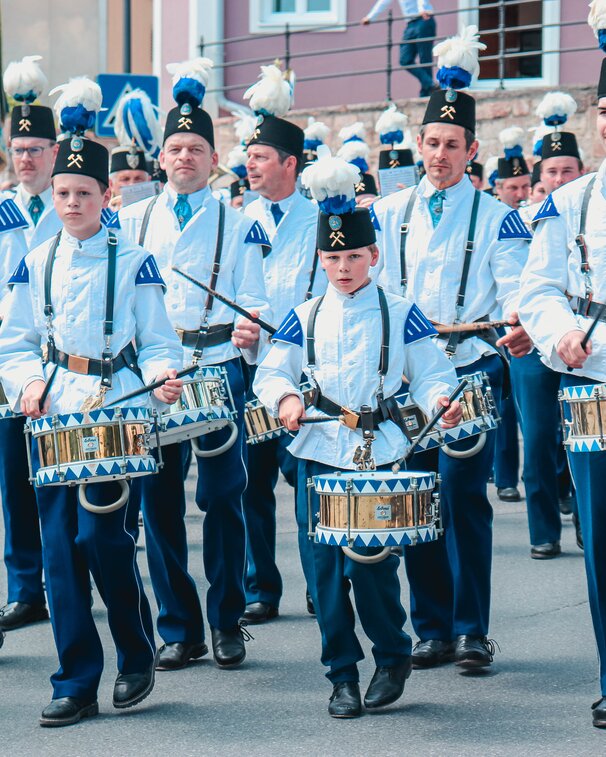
x: 35, y: 208
x: 277, y: 213
x: 183, y: 210
x: 436, y: 205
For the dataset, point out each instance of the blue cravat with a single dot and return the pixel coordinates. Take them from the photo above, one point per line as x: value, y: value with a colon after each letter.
x: 35, y: 208
x: 277, y: 213
x: 183, y: 210
x: 436, y: 205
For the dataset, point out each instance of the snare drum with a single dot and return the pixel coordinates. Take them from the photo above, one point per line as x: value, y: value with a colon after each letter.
x: 377, y: 509
x: 480, y: 415
x: 260, y: 425
x: 584, y: 417
x: 5, y: 408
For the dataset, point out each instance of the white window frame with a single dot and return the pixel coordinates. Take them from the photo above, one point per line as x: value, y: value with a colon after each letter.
x: 550, y: 41
x: 262, y: 19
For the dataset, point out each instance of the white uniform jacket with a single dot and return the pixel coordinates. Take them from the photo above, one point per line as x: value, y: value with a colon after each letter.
x: 552, y: 279
x: 434, y: 257
x: 347, y: 345
x: 78, y: 298
x: 193, y: 250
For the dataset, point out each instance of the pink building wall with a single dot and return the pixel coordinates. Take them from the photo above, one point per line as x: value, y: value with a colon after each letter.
x: 581, y: 67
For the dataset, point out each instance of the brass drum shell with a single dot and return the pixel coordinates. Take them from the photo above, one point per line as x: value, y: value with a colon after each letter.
x: 77, y: 445
x: 588, y: 417
x: 396, y: 511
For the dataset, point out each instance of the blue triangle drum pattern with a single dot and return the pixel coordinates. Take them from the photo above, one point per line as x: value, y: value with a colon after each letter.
x: 584, y: 392
x: 95, y: 471
x: 101, y: 417
x: 393, y: 537
x: 374, y: 482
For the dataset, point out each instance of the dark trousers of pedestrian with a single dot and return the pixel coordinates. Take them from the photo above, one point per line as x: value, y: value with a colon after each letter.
x: 412, y: 46
x: 265, y: 461
x: 22, y: 545
x: 78, y: 544
x: 450, y: 578
x: 536, y: 393
x: 331, y: 576
x: 220, y: 487
x: 507, y: 449
x: 589, y: 476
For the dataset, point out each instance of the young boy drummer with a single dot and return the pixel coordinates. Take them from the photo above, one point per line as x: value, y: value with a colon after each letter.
x: 350, y: 369
x: 60, y: 297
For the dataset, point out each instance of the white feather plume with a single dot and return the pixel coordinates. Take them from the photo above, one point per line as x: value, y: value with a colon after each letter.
x: 511, y: 137
x: 24, y: 77
x: 272, y: 94
x: 244, y: 125
x: 316, y: 130
x: 352, y: 150
x: 556, y: 103
x: 196, y: 68
x: 491, y: 165
x: 237, y: 156
x: 597, y: 15
x: 330, y: 177
x: 408, y: 143
x: 356, y: 129
x: 391, y: 120
x: 124, y: 123
x: 461, y: 50
x: 78, y: 91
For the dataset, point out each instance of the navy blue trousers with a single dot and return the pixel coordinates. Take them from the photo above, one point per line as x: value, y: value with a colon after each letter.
x: 536, y: 393
x: 76, y: 545
x: 220, y: 487
x: 330, y: 577
x: 589, y: 477
x: 450, y: 578
x: 507, y: 450
x: 265, y: 461
x: 22, y: 545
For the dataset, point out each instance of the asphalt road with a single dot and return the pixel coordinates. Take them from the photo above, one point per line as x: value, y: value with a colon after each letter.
x: 536, y: 700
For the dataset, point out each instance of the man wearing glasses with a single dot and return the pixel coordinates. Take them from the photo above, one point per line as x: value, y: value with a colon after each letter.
x: 27, y: 218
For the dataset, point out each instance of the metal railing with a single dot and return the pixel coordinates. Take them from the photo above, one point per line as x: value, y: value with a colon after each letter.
x: 285, y: 38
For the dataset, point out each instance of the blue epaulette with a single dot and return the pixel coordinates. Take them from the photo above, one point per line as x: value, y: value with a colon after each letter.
x: 513, y: 227
x: 149, y: 273
x: 110, y: 219
x: 21, y: 274
x: 11, y: 217
x: 290, y: 330
x: 257, y: 235
x: 547, y: 210
x: 374, y: 219
x: 417, y: 326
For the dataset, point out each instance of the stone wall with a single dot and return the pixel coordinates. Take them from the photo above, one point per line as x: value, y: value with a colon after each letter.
x: 495, y: 111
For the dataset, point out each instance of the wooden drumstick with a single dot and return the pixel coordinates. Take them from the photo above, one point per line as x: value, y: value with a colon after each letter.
x: 321, y: 419
x: 154, y: 385
x: 47, y: 388
x: 463, y: 328
x: 590, y: 330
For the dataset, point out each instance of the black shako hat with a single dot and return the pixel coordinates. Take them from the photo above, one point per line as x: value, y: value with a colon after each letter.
x: 348, y: 231
x: 187, y: 119
x: 449, y: 106
x: 560, y: 144
x: 77, y: 155
x: 33, y: 121
x: 238, y: 187
x: 535, y: 177
x: 475, y: 169
x: 127, y: 159
x: 602, y: 81
x: 279, y: 133
x: 366, y: 185
x: 395, y: 158
x: 512, y: 168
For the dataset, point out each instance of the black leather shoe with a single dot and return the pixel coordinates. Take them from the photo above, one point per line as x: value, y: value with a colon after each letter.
x: 19, y: 614
x: 387, y: 685
x: 474, y: 652
x: 509, y: 494
x: 599, y: 713
x: 2, y: 634
x: 310, y: 603
x: 67, y: 711
x: 345, y: 700
x: 228, y: 646
x: 132, y: 688
x: 429, y: 654
x: 259, y: 612
x: 579, y: 534
x: 175, y: 655
x: 565, y: 505
x: 545, y: 551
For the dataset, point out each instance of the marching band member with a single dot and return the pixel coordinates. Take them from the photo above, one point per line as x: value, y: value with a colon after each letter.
x: 186, y: 227
x: 344, y: 324
x: 563, y: 291
x: 275, y: 155
x: 27, y: 218
x: 62, y: 297
x: 459, y: 254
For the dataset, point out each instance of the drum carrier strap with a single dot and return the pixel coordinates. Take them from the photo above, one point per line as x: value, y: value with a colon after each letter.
x: 584, y: 304
x: 145, y: 221
x: 404, y: 229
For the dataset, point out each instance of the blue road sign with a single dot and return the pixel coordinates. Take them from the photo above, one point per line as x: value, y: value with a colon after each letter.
x: 115, y: 86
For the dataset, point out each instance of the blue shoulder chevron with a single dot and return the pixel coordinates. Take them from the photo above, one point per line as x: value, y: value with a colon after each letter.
x: 21, y: 274
x: 513, y: 227
x: 149, y: 273
x: 11, y: 217
x: 290, y: 330
x: 547, y: 210
x: 110, y: 219
x: 257, y: 235
x: 374, y: 219
x: 417, y: 326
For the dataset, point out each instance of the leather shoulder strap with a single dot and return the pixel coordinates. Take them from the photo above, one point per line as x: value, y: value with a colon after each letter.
x: 145, y: 221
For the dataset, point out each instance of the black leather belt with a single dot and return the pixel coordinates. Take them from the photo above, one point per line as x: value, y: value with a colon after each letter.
x: 331, y: 408
x: 88, y: 366
x: 591, y: 308
x: 217, y: 334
